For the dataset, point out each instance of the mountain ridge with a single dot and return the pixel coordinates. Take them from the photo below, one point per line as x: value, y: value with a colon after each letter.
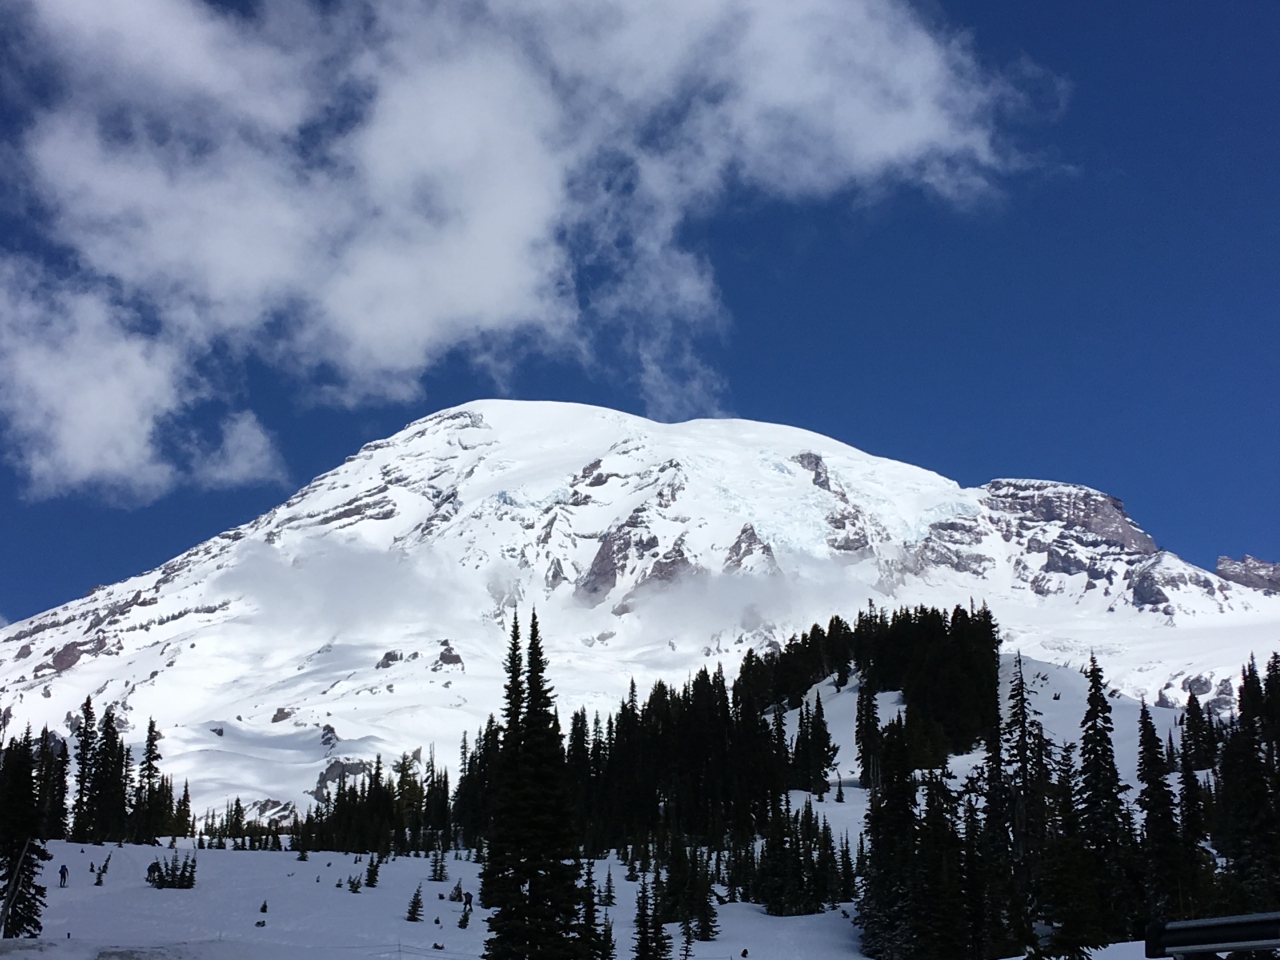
x: 367, y: 612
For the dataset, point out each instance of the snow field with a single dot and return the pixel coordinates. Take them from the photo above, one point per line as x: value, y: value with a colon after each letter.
x: 313, y: 918
x: 125, y: 919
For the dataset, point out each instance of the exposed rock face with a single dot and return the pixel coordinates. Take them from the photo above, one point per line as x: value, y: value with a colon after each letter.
x: 1250, y: 572
x: 379, y: 598
x: 1076, y: 506
x: 749, y: 551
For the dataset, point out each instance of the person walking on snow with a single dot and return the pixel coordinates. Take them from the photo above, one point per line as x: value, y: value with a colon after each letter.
x: 62, y: 875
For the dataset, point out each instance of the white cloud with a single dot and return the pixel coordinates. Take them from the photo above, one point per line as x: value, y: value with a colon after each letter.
x: 245, y: 455
x: 360, y: 191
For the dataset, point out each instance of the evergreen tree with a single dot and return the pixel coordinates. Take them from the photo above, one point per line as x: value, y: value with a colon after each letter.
x: 537, y: 896
x: 1200, y: 747
x: 867, y: 735
x: 659, y: 937
x: 52, y: 763
x: 822, y: 752
x: 642, y: 944
x: 937, y: 894
x: 499, y: 882
x: 608, y: 897
x: 1102, y: 815
x: 609, y: 946
x: 415, y: 906
x: 589, y: 931
x: 1024, y: 781
x: 884, y: 896
x: 1197, y: 865
x: 151, y: 806
x: 1161, y: 844
x: 109, y: 782
x: 1069, y: 899
x: 182, y: 823
x: 84, y: 809
x: 21, y: 850
x: 1247, y: 832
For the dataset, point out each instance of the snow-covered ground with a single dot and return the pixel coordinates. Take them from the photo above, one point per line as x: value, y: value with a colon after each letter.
x: 369, y: 612
x: 309, y: 917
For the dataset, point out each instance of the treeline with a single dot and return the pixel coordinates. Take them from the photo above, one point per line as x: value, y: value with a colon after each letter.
x: 399, y: 811
x: 945, y: 666
x: 116, y: 800
x: 683, y: 787
x: 112, y: 801
x: 1040, y: 852
x: 33, y: 791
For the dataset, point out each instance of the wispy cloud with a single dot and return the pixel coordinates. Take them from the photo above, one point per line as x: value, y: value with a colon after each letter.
x: 349, y: 191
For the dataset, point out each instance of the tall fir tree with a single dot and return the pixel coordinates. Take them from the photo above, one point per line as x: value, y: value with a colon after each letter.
x: 884, y: 894
x: 937, y: 892
x: 52, y: 765
x: 1161, y: 843
x: 21, y: 850
x: 84, y: 809
x: 1102, y: 813
x: 538, y: 898
x: 1070, y: 909
x: 1026, y: 772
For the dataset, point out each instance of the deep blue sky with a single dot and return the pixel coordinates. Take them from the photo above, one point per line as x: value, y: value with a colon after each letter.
x: 1110, y: 318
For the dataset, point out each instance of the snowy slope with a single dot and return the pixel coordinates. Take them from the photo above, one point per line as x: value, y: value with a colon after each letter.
x: 318, y: 921
x: 308, y: 916
x: 368, y: 612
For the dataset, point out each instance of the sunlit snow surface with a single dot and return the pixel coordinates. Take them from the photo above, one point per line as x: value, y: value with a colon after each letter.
x: 124, y: 919
x: 314, y: 918
x: 369, y: 612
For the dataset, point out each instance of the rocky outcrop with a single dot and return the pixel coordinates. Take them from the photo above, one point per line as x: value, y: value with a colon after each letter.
x: 749, y: 552
x: 1074, y: 506
x: 1250, y: 572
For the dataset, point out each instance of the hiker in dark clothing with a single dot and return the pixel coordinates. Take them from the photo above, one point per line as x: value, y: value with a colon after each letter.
x: 62, y: 875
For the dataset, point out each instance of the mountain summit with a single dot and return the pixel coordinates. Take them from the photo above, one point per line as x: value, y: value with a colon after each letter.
x: 368, y: 612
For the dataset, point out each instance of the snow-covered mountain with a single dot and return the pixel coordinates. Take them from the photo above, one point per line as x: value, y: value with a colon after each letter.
x: 368, y: 613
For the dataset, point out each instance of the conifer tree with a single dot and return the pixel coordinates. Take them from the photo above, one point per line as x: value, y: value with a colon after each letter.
x: 937, y: 895
x: 1248, y: 831
x: 1161, y: 847
x: 609, y: 946
x: 659, y: 937
x: 150, y: 805
x: 1024, y: 781
x: 642, y: 944
x: 1068, y: 897
x: 1102, y: 815
x: 884, y: 895
x: 1197, y: 867
x: 21, y: 849
x: 532, y: 871
x: 415, y: 906
x: 52, y: 763
x: 589, y: 932
x: 822, y: 752
x: 180, y: 824
x: 499, y: 883
x: 1197, y: 728
x: 608, y: 897
x: 867, y: 735
x: 84, y: 810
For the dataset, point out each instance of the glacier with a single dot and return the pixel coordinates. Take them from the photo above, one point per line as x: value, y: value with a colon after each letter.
x: 368, y: 613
